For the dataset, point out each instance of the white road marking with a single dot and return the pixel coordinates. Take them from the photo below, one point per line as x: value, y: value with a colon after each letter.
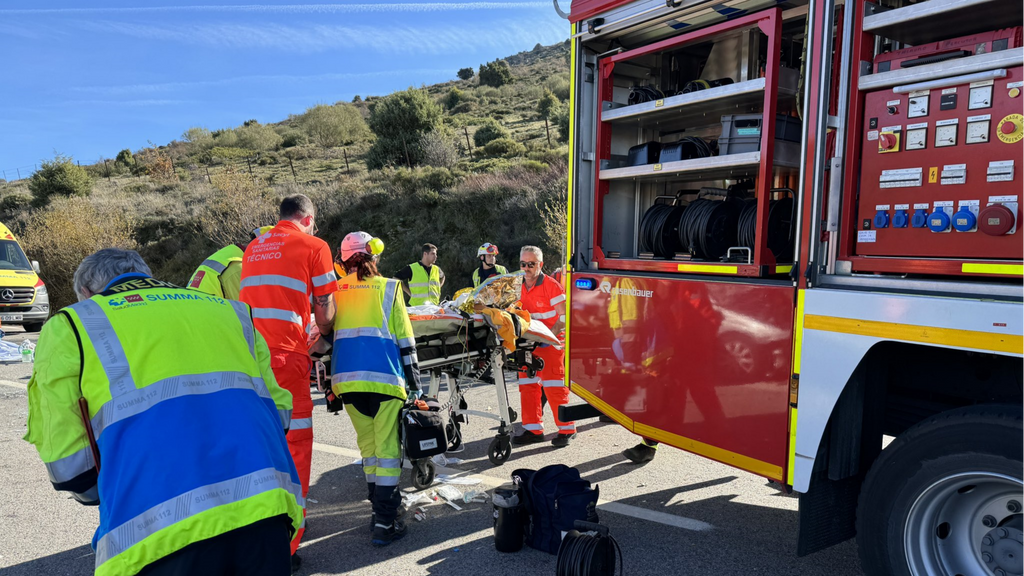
x: 604, y: 505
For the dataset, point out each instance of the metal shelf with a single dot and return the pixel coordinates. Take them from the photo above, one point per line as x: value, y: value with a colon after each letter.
x: 936, y: 20
x: 730, y: 166
x: 702, y: 107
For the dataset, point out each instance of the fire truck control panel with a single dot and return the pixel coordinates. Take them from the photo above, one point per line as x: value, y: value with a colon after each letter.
x: 941, y: 160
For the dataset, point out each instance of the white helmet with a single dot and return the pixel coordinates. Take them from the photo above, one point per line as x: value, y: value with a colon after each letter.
x: 360, y: 243
x: 486, y: 249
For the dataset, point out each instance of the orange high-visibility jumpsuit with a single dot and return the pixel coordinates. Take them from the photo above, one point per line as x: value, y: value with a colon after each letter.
x: 540, y: 302
x: 281, y: 270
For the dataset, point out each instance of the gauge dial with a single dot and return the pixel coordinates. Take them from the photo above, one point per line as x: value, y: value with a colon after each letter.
x: 977, y: 132
x: 916, y: 138
x: 917, y: 107
x: 981, y: 97
x: 945, y: 135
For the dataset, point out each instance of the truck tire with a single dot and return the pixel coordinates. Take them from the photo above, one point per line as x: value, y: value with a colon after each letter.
x: 32, y: 326
x: 945, y: 497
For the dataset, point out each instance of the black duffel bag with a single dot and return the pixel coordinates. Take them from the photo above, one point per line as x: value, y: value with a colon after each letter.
x: 423, y: 432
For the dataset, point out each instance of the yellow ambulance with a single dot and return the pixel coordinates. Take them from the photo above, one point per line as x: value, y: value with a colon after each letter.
x: 23, y: 297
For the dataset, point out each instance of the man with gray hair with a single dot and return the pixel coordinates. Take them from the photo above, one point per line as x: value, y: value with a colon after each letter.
x: 171, y: 391
x: 544, y: 299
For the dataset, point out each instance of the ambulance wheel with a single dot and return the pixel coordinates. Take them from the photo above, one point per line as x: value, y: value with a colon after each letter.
x: 946, y: 497
x: 499, y: 450
x: 422, y: 474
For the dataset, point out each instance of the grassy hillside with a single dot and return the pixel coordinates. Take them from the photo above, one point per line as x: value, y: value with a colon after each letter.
x: 179, y: 202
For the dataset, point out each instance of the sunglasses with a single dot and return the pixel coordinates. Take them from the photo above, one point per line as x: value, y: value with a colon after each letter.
x: 523, y: 264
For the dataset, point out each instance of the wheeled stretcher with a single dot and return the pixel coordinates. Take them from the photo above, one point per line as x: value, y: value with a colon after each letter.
x: 467, y: 352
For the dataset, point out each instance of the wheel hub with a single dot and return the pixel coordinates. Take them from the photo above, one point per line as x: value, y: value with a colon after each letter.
x: 1001, y: 548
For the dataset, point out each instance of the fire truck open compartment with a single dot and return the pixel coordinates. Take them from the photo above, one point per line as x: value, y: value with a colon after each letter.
x: 698, y: 150
x: 930, y: 165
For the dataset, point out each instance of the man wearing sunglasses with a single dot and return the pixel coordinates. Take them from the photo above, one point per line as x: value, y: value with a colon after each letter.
x: 544, y: 299
x: 488, y: 254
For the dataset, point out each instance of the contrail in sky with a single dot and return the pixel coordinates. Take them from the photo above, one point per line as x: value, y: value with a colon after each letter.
x: 296, y: 9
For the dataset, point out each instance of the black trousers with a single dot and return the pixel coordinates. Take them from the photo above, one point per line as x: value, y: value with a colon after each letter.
x: 259, y: 549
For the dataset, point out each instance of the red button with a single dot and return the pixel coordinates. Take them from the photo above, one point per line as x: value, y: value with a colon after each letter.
x: 1008, y: 127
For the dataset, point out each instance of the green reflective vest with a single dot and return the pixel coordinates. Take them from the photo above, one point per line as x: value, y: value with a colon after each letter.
x: 373, y: 337
x: 425, y: 289
x: 476, y: 273
x: 187, y: 416
x: 208, y: 276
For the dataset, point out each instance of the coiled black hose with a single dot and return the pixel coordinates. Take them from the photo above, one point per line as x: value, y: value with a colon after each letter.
x: 585, y: 555
x: 747, y: 229
x: 780, y: 227
x: 658, y: 230
x: 708, y: 228
x: 641, y: 94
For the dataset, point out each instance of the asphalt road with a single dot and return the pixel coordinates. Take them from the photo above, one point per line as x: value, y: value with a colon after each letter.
x: 678, y: 515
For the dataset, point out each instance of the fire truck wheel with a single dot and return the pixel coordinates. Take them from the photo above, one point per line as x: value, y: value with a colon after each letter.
x: 945, y: 497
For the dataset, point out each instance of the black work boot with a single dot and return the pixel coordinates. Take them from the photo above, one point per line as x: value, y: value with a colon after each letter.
x: 527, y: 437
x: 400, y: 514
x: 384, y: 535
x: 640, y: 454
x: 562, y: 440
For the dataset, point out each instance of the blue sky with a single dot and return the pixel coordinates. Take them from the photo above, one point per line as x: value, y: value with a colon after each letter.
x: 89, y: 81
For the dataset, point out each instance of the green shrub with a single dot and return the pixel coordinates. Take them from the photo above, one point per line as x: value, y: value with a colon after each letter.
x: 561, y: 120
x: 465, y: 73
x: 229, y: 153
x: 505, y: 147
x: 488, y: 131
x: 559, y: 85
x: 534, y: 166
x: 550, y: 155
x: 255, y: 136
x: 63, y: 234
x: 423, y: 178
x: 226, y: 138
x: 454, y: 98
x: 13, y: 203
x: 267, y: 159
x: 333, y: 126
x: 399, y: 120
x: 465, y: 108
x: 197, y: 138
x: 292, y: 138
x: 59, y: 177
x: 547, y: 104
x: 495, y: 74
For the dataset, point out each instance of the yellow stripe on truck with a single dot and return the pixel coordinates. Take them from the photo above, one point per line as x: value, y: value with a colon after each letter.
x: 1001, y: 269
x: 715, y: 453
x: 1008, y: 343
x: 567, y: 269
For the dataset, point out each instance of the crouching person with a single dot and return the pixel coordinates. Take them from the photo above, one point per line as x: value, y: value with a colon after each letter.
x: 375, y: 372
x: 158, y: 404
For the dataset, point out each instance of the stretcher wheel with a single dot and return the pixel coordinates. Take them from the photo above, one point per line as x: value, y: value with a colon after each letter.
x: 422, y: 474
x: 499, y: 450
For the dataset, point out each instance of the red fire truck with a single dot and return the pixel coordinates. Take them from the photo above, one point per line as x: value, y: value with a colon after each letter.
x: 795, y: 248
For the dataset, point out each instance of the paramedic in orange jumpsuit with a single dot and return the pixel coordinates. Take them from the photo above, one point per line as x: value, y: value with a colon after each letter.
x: 282, y: 270
x: 544, y: 299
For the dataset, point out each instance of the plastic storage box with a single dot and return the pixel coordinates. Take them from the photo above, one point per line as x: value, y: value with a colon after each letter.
x: 742, y: 132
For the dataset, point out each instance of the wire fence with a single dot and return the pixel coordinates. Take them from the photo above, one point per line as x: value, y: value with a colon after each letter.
x: 18, y: 172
